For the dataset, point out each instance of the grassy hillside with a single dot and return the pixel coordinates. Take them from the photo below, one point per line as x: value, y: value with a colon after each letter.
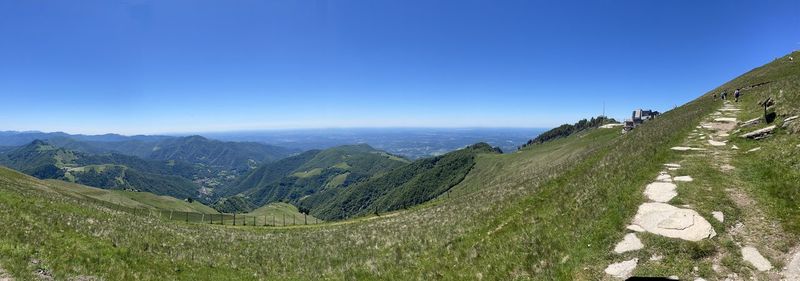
x: 130, y: 199
x: 275, y: 213
x: 312, y: 172
x: 400, y: 188
x: 549, y: 212
x: 110, y: 171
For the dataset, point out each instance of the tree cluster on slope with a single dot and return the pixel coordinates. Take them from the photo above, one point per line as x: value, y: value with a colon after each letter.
x: 569, y: 129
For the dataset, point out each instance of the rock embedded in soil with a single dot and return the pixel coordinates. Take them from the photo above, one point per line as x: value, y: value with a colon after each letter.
x: 636, y: 228
x: 622, y: 269
x: 760, y: 133
x: 718, y: 215
x: 670, y: 221
x: 629, y: 243
x: 792, y: 269
x: 661, y: 191
x: 683, y: 178
x: 725, y: 119
x: 750, y: 122
x: 716, y: 143
x: 751, y: 255
x: 754, y: 149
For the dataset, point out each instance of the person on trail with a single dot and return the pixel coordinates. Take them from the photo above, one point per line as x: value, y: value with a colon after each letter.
x: 724, y: 94
x: 715, y: 96
x: 736, y: 95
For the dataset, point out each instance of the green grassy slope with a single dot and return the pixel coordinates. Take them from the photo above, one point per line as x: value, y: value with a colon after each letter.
x: 403, y: 187
x: 551, y: 211
x: 310, y: 173
x: 775, y: 170
x: 276, y: 212
x: 111, y: 171
x: 130, y: 199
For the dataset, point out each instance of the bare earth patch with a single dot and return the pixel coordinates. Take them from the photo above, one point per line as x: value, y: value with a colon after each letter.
x: 4, y: 276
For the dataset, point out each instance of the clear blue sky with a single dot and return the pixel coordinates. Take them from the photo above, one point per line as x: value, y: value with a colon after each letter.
x: 181, y: 66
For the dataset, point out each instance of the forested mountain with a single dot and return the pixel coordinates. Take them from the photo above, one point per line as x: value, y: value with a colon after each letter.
x: 235, y: 155
x: 406, y: 186
x: 14, y: 138
x: 110, y: 171
x: 308, y: 173
x: 240, y: 156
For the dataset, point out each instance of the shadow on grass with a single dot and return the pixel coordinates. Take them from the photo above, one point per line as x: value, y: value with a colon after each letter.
x: 770, y: 117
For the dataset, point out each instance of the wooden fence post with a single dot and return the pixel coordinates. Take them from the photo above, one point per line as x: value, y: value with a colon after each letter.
x: 170, y: 214
x: 187, y: 216
x: 305, y: 218
x: 234, y: 218
x: 265, y: 220
x: 254, y: 221
x: 284, y: 219
x: 202, y: 217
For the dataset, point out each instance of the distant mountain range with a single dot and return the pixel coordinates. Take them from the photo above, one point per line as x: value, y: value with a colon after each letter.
x: 182, y: 167
x: 192, y: 149
x: 351, y: 180
x: 334, y: 183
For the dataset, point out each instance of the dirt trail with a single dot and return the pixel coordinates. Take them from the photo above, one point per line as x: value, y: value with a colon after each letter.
x: 4, y: 276
x: 758, y: 236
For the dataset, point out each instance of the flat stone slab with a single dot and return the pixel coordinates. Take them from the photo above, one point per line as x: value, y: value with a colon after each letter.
x: 718, y: 215
x: 751, y: 255
x: 672, y: 165
x: 792, y: 269
x: 725, y: 119
x: 735, y: 147
x: 683, y: 178
x: 629, y: 243
x: 729, y: 109
x: 760, y: 133
x: 622, y: 269
x: 670, y: 221
x: 789, y: 119
x: 686, y: 148
x: 610, y: 126
x: 661, y: 191
x: 636, y: 228
x: 754, y: 149
x: 716, y: 143
x: 664, y: 177
x: 750, y: 122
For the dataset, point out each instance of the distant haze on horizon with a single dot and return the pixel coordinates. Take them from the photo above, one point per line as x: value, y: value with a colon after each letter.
x: 182, y: 67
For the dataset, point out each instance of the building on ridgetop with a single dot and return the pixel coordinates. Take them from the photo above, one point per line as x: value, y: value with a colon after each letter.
x: 638, y: 117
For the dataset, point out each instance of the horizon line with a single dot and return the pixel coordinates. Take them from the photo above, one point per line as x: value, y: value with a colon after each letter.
x: 277, y: 130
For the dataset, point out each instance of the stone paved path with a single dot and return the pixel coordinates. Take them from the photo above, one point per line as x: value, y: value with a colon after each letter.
x: 658, y: 217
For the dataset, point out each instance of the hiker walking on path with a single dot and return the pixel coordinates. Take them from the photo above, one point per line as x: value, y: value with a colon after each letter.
x: 736, y: 95
x: 724, y: 94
